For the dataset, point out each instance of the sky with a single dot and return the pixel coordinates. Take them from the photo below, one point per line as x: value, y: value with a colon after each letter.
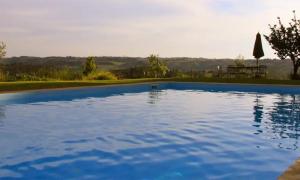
x: 169, y: 28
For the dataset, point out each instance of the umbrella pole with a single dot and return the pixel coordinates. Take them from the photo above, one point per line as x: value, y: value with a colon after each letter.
x: 257, y: 68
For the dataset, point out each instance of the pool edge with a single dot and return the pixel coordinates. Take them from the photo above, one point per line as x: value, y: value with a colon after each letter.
x: 292, y: 173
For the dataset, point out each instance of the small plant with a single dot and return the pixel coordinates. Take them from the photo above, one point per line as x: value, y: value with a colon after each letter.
x: 101, y: 75
x: 90, y: 66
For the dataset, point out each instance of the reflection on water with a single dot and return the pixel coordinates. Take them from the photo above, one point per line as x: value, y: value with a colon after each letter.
x: 2, y: 115
x: 282, y: 119
x: 172, y: 132
x: 258, y: 109
x: 285, y: 116
x: 155, y: 95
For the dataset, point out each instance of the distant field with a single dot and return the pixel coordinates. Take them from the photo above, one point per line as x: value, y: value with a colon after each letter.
x: 276, y: 69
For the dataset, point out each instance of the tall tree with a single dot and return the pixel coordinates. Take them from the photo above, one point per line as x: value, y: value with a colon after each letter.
x: 285, y: 40
x: 157, y: 67
x: 2, y: 54
x: 239, y: 61
x: 2, y: 50
x: 90, y: 66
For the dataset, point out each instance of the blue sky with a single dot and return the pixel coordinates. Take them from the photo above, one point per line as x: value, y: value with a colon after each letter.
x: 190, y: 28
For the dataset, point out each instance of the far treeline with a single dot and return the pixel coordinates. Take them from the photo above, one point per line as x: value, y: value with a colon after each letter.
x: 72, y: 68
x: 285, y: 40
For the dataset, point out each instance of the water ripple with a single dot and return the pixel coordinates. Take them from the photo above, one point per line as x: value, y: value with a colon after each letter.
x: 179, y: 131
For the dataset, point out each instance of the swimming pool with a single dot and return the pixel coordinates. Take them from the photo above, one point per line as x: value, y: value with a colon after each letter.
x: 169, y: 131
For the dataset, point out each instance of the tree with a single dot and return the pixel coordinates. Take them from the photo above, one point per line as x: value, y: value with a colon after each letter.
x: 239, y: 61
x: 90, y: 66
x: 285, y: 40
x: 2, y: 54
x: 2, y: 50
x: 157, y: 67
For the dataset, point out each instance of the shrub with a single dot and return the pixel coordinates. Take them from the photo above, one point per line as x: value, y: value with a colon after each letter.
x: 132, y: 72
x: 182, y: 75
x: 294, y: 76
x: 3, y: 76
x: 27, y: 77
x: 22, y: 72
x: 101, y: 75
x: 65, y: 74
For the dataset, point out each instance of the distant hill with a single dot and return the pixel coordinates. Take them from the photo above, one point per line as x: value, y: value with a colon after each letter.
x: 276, y: 68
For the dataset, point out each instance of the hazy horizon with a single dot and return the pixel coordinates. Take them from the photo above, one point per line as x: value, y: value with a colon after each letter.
x: 136, y: 28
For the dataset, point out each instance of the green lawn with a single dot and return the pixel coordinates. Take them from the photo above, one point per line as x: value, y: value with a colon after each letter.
x: 35, y: 85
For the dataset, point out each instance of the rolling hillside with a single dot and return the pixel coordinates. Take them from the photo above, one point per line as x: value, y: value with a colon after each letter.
x: 277, y: 69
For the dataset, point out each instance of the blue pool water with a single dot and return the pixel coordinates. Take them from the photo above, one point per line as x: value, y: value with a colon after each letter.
x: 175, y: 131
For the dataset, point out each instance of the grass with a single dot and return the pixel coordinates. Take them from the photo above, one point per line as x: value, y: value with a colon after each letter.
x: 36, y: 85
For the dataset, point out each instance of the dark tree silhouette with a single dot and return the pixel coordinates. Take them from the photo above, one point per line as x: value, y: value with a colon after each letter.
x: 285, y: 40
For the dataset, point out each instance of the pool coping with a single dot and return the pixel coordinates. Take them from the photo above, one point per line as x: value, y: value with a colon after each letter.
x: 292, y: 173
x: 140, y: 83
